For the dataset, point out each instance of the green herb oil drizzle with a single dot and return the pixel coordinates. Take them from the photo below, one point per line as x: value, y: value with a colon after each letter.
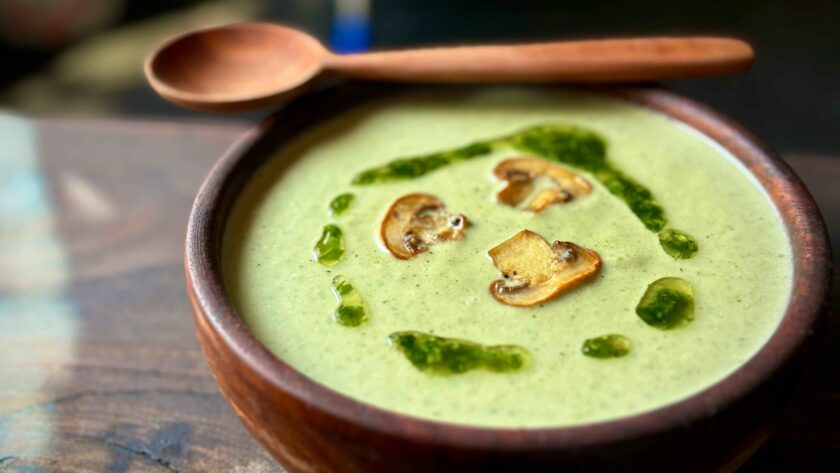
x: 442, y: 355
x: 576, y: 147
x: 606, y: 346
x: 677, y: 244
x: 409, y: 168
x: 340, y: 204
x: 352, y: 310
x: 329, y: 249
x: 667, y: 303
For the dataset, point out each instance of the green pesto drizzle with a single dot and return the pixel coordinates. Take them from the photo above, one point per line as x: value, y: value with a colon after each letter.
x: 409, y: 168
x: 340, y: 204
x: 667, y: 303
x: 352, y: 310
x: 576, y: 147
x: 442, y: 355
x: 329, y: 249
x: 677, y: 244
x: 606, y: 346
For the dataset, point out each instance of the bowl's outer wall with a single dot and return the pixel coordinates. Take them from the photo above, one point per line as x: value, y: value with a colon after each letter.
x: 308, y: 427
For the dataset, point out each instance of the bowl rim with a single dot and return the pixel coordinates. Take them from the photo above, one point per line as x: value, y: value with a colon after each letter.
x: 801, y: 219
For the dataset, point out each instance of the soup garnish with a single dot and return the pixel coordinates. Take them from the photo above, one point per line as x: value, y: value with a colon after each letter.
x: 606, y: 346
x: 352, y: 310
x: 443, y: 355
x: 677, y: 244
x: 340, y: 204
x: 415, y: 221
x: 667, y: 303
x: 535, y: 271
x: 329, y: 249
x: 520, y: 175
x: 574, y: 146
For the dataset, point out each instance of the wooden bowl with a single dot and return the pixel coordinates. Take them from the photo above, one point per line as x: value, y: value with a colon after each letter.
x: 309, y: 427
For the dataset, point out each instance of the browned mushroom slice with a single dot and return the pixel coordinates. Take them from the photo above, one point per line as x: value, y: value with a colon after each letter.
x: 535, y: 271
x: 415, y: 221
x: 520, y: 174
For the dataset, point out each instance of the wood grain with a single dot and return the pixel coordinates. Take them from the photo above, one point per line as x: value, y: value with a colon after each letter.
x: 135, y: 393
x: 586, y: 61
x: 252, y: 65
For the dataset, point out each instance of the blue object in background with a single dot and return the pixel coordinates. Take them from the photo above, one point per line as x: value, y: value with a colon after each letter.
x: 351, y: 27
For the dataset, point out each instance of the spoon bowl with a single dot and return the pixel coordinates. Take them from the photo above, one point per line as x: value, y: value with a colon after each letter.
x: 234, y: 67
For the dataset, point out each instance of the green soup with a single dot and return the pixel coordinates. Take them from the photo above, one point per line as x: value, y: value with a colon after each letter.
x: 336, y: 321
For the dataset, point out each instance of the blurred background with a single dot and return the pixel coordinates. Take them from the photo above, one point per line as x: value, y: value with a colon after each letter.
x: 83, y: 57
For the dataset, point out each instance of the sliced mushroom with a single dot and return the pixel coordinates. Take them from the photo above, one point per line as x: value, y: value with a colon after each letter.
x: 536, y: 272
x: 520, y: 174
x: 415, y: 221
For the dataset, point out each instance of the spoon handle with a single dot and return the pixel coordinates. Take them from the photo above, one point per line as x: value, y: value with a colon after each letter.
x: 606, y: 60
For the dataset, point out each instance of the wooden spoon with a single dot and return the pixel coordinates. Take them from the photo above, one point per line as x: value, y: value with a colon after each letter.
x: 245, y: 66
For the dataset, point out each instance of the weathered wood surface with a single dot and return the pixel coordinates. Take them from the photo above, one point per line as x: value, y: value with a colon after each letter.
x: 101, y: 368
x: 108, y: 375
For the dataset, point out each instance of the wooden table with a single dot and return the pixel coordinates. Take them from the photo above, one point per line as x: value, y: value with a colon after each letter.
x: 100, y: 367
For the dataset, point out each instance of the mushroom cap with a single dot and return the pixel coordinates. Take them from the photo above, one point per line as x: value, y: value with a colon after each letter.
x: 414, y: 221
x: 541, y: 271
x: 521, y: 172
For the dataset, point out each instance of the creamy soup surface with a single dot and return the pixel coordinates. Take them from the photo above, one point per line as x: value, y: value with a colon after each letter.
x: 741, y: 273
